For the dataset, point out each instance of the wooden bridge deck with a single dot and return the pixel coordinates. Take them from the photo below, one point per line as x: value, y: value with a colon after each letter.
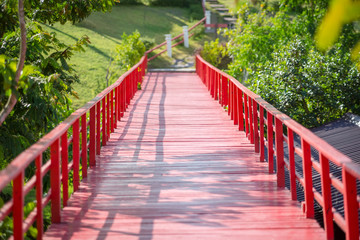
x: 177, y: 168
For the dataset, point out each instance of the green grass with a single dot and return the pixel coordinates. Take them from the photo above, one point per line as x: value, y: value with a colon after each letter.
x: 105, y: 31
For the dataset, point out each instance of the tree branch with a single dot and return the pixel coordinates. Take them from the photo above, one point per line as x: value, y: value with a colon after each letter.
x: 13, y: 99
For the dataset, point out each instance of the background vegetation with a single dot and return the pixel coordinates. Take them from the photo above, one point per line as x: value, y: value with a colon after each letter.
x: 274, y: 53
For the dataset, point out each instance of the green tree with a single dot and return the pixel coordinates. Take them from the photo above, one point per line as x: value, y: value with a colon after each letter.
x: 34, y: 69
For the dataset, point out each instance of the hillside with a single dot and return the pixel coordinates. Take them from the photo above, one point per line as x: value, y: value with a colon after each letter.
x: 105, y: 31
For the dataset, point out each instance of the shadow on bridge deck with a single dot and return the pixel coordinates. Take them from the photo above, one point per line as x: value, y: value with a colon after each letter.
x: 177, y: 168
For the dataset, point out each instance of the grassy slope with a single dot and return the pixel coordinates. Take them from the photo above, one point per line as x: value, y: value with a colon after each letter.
x: 105, y: 30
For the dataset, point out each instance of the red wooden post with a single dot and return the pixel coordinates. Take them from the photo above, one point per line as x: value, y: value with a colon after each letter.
x: 270, y: 142
x: 279, y: 143
x: 121, y: 111
x: 108, y: 122
x: 211, y: 80
x: 262, y: 142
x: 64, y: 168
x: 235, y: 108
x: 76, y: 154
x: 39, y: 195
x: 292, y: 164
x: 98, y: 128
x: 256, y: 131
x: 309, y: 194
x: 55, y: 182
x: 246, y: 116
x: 117, y: 105
x: 112, y: 117
x: 241, y: 110
x: 225, y: 90
x: 18, y: 209
x: 351, y: 206
x: 84, y: 146
x: 216, y: 79
x: 92, y: 143
x: 251, y: 122
x: 104, y: 132
x: 221, y: 96
x: 326, y: 194
x: 230, y: 100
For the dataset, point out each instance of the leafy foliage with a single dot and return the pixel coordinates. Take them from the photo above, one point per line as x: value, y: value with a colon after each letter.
x: 50, y: 11
x: 216, y: 54
x: 274, y: 52
x: 43, y: 92
x: 126, y: 54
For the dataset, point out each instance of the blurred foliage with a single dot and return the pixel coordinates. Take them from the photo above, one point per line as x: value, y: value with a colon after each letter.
x: 126, y: 54
x: 340, y: 12
x: 274, y: 52
x: 216, y: 54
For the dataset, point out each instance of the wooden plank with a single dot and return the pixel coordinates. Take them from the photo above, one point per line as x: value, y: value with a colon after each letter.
x: 177, y: 168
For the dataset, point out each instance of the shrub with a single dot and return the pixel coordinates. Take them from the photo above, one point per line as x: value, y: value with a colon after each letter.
x: 277, y: 52
x: 126, y: 55
x: 216, y: 54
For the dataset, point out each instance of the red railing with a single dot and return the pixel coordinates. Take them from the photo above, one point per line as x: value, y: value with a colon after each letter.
x: 81, y: 136
x: 253, y: 115
x: 173, y: 39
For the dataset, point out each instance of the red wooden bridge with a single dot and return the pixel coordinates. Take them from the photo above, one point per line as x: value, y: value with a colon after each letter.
x: 172, y: 161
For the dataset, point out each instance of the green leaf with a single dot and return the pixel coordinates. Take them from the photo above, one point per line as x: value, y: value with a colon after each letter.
x: 64, y: 63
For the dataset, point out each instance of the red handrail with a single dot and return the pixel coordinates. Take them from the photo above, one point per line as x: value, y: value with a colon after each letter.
x: 247, y: 109
x: 174, y: 38
x: 97, y: 117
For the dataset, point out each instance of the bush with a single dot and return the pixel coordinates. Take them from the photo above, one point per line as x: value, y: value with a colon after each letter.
x: 276, y: 55
x: 126, y: 55
x: 216, y: 54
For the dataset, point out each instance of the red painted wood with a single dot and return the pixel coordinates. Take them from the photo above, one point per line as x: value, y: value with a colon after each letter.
x: 83, y: 146
x: 326, y: 195
x: 247, y: 130
x: 236, y: 107
x: 55, y: 182
x: 92, y: 140
x: 18, y: 200
x: 309, y: 194
x: 292, y: 164
x: 64, y: 168
x: 76, y: 154
x: 262, y: 137
x: 251, y: 121
x: 108, y: 118
x: 98, y: 128
x: 279, y: 144
x: 104, y: 131
x: 180, y: 170
x: 256, y: 128
x: 112, y: 118
x: 270, y: 140
x: 351, y: 206
x: 39, y: 196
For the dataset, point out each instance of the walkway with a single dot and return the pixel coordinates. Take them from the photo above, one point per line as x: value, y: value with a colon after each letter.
x: 177, y: 168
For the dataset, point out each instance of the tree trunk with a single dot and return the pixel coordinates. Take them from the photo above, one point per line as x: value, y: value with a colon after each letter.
x: 13, y: 99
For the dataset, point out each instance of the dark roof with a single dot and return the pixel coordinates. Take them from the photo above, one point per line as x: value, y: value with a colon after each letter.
x: 343, y: 134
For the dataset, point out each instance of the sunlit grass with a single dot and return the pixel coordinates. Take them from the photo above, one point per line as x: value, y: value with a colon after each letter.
x: 105, y: 31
